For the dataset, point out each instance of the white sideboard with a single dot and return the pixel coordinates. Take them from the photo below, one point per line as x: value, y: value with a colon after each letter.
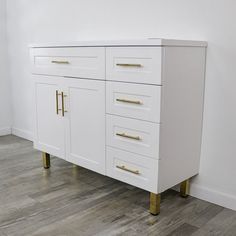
x: 131, y: 109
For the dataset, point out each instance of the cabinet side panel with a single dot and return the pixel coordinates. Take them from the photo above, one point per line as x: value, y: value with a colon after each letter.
x: 181, y: 114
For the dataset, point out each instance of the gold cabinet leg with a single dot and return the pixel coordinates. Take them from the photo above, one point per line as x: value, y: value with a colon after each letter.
x: 184, y: 188
x: 46, y: 160
x: 155, y: 202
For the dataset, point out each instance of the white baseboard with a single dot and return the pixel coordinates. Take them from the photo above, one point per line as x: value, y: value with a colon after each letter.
x: 216, y: 197
x: 5, y: 131
x: 212, y: 196
x: 22, y: 133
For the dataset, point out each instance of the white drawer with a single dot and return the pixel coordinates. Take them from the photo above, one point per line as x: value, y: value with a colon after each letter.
x: 83, y: 62
x: 133, y: 169
x: 134, y: 64
x: 132, y: 135
x: 134, y: 100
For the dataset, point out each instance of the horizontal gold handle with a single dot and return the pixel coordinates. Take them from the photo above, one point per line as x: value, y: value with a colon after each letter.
x: 60, y: 62
x: 129, y: 65
x: 128, y: 170
x: 128, y: 101
x: 124, y: 135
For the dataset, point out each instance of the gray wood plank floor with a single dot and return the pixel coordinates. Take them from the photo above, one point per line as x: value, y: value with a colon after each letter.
x: 70, y: 200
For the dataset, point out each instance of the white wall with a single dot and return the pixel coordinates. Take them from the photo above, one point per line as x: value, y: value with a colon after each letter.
x: 58, y: 20
x: 5, y: 106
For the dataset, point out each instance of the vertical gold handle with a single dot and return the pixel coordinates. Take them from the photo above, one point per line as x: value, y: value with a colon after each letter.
x: 57, y: 106
x: 57, y: 102
x: 63, y: 103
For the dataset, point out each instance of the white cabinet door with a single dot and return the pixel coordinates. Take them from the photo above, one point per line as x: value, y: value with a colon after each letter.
x: 85, y: 123
x: 49, y: 126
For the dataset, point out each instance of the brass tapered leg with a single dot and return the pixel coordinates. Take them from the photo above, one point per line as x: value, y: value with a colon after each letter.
x: 184, y: 188
x: 46, y: 160
x: 155, y: 202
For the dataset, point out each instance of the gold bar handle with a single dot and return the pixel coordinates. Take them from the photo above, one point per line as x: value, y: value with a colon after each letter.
x: 128, y: 101
x: 60, y: 62
x: 57, y: 102
x: 63, y: 103
x: 128, y: 65
x: 136, y: 172
x: 124, y: 135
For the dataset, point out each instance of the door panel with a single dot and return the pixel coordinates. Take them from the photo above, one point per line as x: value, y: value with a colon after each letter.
x: 85, y: 123
x: 49, y: 126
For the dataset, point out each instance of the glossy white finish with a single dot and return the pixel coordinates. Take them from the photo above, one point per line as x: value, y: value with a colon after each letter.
x: 128, y: 42
x: 149, y: 97
x: 181, y: 114
x: 49, y: 126
x: 144, y: 115
x: 148, y: 132
x: 78, y: 62
x: 149, y: 59
x: 148, y: 169
x: 85, y: 123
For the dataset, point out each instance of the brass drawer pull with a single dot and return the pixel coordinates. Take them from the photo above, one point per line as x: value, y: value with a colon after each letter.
x: 136, y: 172
x: 60, y: 62
x: 128, y: 101
x: 57, y: 103
x: 63, y: 103
x: 129, y: 65
x: 124, y: 135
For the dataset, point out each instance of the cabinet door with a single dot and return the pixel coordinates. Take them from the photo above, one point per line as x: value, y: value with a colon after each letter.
x: 49, y: 126
x: 85, y: 123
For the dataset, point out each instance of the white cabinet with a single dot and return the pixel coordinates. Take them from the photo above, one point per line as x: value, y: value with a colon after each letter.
x: 131, y: 110
x: 85, y: 123
x: 70, y: 120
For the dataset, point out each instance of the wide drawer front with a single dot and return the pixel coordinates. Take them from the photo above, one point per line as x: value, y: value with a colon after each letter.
x: 137, y: 101
x: 134, y: 64
x: 133, y: 169
x: 83, y: 62
x: 135, y: 136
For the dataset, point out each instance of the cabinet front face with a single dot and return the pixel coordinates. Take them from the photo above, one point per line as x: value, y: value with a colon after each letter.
x: 138, y: 101
x: 85, y: 123
x: 49, y: 127
x: 134, y: 64
x: 80, y: 62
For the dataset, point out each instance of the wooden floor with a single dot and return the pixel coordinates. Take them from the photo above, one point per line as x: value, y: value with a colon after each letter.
x: 69, y: 200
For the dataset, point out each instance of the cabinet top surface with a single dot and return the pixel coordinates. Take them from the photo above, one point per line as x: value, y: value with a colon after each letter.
x: 128, y: 42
